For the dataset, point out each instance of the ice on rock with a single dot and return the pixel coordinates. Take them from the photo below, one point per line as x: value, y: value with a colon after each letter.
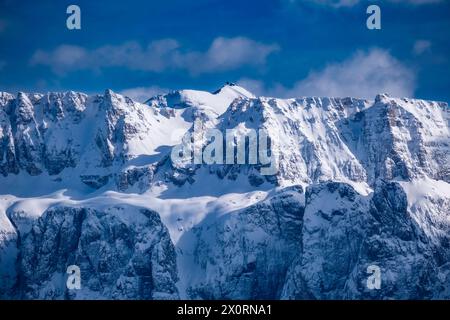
x: 88, y: 180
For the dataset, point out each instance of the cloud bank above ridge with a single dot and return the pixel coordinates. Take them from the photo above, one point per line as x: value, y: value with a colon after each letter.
x: 363, y: 75
x: 223, y: 54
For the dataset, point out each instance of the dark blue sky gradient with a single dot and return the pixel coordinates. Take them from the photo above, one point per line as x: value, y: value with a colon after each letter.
x: 310, y: 37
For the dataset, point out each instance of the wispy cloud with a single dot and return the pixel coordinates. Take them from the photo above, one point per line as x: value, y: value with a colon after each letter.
x: 364, y: 75
x: 350, y: 3
x: 223, y: 54
x: 421, y: 46
x: 417, y: 2
x: 141, y: 94
x: 337, y: 3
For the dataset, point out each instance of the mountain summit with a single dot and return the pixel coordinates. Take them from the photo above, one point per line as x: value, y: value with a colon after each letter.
x: 218, y: 100
x: 89, y: 180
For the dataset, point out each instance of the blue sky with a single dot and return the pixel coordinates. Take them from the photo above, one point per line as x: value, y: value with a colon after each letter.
x: 274, y: 47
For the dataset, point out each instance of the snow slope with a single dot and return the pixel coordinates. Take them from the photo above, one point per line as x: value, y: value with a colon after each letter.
x: 88, y: 180
x: 217, y: 101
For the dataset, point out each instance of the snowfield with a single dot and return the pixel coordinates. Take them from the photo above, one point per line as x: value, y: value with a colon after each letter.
x: 89, y: 181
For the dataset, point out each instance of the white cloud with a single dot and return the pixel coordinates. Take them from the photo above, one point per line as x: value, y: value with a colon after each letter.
x: 350, y: 3
x: 227, y: 54
x: 337, y: 3
x: 257, y: 87
x: 222, y: 55
x: 141, y: 94
x: 421, y: 46
x: 363, y: 75
x: 63, y: 58
x: 417, y: 2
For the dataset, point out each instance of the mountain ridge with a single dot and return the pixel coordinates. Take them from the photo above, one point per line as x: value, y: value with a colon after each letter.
x: 351, y: 173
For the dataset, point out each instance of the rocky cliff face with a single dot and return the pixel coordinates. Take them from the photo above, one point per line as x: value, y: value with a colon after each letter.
x: 348, y: 234
x: 245, y: 253
x: 348, y: 140
x: 316, y: 245
x: 123, y: 252
x: 89, y: 181
x: 108, y: 138
x: 97, y: 135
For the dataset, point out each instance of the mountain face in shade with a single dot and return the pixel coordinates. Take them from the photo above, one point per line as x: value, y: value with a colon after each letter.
x: 90, y: 181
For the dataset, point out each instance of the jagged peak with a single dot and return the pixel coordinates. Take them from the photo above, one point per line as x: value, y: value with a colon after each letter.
x: 115, y: 100
x: 23, y: 99
x: 382, y: 97
x: 231, y: 87
x: 227, y: 84
x: 5, y: 97
x: 6, y: 94
x: 110, y: 95
x: 109, y: 92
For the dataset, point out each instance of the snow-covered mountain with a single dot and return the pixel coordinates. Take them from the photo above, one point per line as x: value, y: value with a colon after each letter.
x: 218, y: 100
x: 91, y: 181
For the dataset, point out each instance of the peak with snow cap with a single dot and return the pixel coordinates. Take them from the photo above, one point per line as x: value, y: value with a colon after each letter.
x: 89, y: 180
x: 218, y: 101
